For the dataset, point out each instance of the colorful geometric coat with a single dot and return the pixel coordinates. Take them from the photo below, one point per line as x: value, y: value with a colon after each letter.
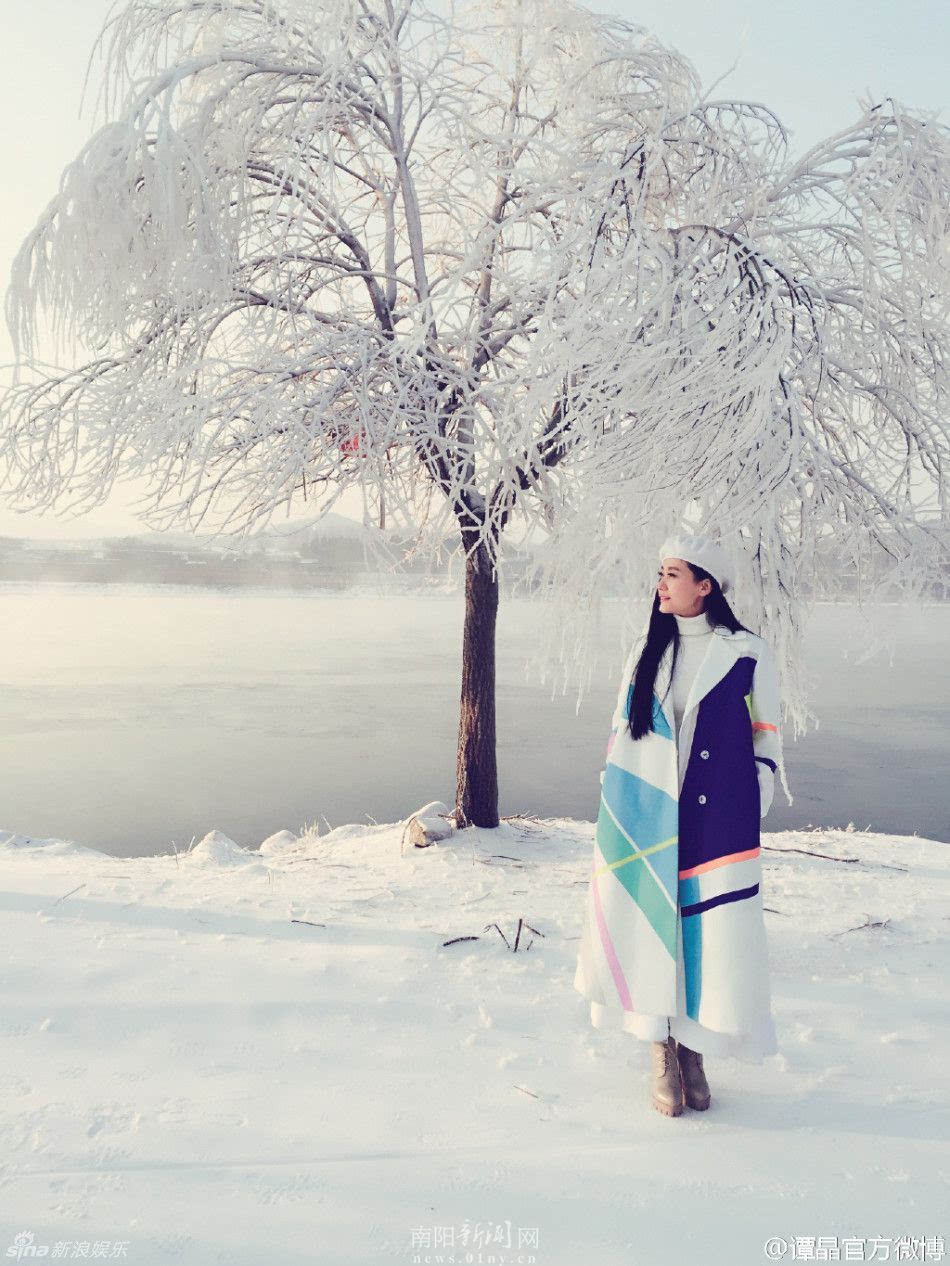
x: 676, y: 872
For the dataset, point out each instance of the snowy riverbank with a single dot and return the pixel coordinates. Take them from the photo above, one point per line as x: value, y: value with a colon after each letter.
x: 238, y: 1057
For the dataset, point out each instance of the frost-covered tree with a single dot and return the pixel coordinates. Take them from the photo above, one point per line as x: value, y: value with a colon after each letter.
x: 508, y: 264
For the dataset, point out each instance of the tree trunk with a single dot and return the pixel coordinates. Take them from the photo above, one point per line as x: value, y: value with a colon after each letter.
x: 477, y: 770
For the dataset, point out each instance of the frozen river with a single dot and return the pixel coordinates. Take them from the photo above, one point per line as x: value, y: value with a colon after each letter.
x: 136, y: 720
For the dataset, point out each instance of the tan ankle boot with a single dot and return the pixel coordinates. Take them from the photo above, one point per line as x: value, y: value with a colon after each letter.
x: 695, y: 1085
x: 667, y: 1086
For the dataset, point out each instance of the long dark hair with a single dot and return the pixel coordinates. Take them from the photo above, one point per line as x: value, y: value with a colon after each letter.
x: 662, y: 630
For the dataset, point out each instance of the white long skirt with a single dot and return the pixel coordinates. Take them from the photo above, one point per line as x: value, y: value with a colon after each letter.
x: 750, y: 1046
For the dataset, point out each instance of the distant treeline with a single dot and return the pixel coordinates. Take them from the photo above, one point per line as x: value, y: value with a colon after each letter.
x: 334, y: 563
x: 318, y: 562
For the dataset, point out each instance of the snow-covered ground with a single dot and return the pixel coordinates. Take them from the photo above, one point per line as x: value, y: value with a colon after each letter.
x: 245, y: 1058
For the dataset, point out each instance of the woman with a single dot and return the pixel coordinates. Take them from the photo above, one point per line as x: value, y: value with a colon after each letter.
x: 674, y: 943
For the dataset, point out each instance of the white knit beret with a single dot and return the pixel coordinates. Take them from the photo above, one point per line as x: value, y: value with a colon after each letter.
x: 704, y: 552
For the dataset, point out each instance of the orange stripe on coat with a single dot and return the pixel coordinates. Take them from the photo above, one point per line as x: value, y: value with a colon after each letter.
x: 763, y: 725
x: 719, y: 861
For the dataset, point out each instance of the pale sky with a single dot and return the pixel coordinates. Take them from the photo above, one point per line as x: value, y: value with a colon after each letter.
x: 807, y: 61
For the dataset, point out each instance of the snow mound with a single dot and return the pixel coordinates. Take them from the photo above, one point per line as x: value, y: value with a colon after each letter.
x: 218, y: 849
x: 354, y: 830
x: 279, y: 842
x: 51, y: 847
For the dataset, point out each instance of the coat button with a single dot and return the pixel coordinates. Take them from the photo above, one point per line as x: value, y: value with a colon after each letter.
x: 704, y: 755
x: 702, y: 799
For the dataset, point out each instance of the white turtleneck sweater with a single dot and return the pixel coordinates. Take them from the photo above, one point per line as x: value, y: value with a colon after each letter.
x: 695, y: 632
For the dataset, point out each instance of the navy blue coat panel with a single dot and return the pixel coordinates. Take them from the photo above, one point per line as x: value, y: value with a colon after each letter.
x: 720, y: 797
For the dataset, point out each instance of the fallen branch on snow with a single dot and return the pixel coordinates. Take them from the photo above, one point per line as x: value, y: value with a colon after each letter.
x: 830, y: 858
x: 514, y: 948
x: 880, y: 923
